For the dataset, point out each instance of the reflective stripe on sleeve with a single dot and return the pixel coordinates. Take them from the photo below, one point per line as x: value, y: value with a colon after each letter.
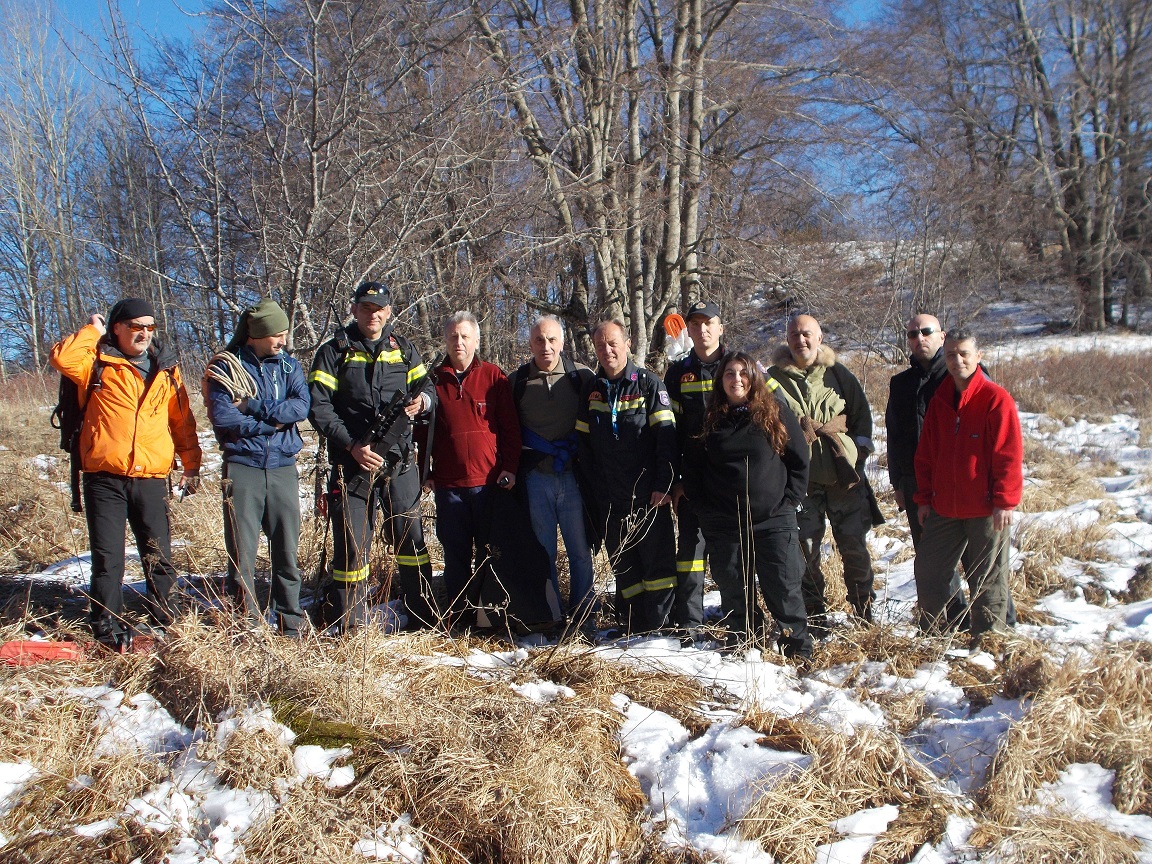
x: 319, y: 376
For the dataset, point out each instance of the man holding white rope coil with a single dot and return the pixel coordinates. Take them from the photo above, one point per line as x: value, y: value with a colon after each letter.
x: 256, y: 394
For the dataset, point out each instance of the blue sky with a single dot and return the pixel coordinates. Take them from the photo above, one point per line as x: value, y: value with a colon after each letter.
x: 165, y: 18
x: 154, y: 17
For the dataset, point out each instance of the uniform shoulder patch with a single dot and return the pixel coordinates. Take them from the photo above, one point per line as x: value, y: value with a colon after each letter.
x: 664, y: 400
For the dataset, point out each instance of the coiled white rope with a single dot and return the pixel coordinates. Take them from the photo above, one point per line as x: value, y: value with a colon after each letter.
x: 233, y: 377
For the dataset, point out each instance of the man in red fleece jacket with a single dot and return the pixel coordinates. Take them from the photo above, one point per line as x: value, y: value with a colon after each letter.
x: 969, y: 478
x: 475, y: 445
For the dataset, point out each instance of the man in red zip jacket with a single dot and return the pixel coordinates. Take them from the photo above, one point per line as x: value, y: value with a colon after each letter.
x: 475, y: 446
x: 969, y: 478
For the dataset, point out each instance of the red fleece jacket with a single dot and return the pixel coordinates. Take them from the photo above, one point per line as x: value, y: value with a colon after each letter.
x: 477, y: 430
x: 970, y: 460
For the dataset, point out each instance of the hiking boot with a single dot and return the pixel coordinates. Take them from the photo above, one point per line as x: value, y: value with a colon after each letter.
x: 115, y: 643
x: 818, y: 626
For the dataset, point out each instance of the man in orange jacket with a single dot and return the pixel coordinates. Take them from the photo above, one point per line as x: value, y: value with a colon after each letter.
x: 137, y: 418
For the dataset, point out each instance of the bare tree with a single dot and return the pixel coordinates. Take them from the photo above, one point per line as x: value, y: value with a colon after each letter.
x: 1032, y: 115
x: 44, y: 117
x: 642, y: 122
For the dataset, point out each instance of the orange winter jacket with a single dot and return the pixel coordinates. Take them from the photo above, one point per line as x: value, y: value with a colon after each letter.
x: 131, y: 427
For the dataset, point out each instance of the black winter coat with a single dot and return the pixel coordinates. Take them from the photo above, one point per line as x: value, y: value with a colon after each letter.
x: 348, y: 383
x: 909, y: 393
x: 627, y: 440
x: 743, y: 480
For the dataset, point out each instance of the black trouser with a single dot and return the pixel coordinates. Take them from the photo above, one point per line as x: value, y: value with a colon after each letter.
x: 771, y: 556
x: 110, y: 501
x: 462, y: 527
x: 642, y: 548
x: 849, y: 513
x: 258, y: 499
x: 688, y: 611
x: 354, y: 496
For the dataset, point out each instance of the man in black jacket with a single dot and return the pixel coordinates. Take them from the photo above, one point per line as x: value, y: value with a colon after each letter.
x: 355, y: 375
x: 689, y: 385
x: 626, y: 439
x: 909, y: 393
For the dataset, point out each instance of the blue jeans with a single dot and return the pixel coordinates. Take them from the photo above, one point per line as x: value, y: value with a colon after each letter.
x: 554, y: 500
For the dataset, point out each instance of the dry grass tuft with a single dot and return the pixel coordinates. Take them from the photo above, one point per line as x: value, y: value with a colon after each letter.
x: 784, y: 733
x: 127, y: 841
x: 1055, y: 479
x: 902, y: 653
x: 254, y: 759
x: 1045, y: 548
x: 1028, y: 669
x: 1139, y: 586
x: 1096, y: 709
x: 1056, y: 838
x: 848, y: 774
x: 486, y: 774
x: 598, y: 680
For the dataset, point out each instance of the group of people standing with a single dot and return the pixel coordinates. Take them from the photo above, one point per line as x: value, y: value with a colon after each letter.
x: 720, y: 462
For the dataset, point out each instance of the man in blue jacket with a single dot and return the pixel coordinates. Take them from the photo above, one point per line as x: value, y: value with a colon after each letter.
x: 256, y: 394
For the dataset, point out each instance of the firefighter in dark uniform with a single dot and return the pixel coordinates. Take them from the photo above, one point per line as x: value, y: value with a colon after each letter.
x: 627, y: 446
x: 689, y: 383
x: 353, y: 376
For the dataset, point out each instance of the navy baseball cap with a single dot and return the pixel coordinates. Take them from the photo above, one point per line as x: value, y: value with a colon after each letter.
x: 703, y: 307
x: 373, y: 292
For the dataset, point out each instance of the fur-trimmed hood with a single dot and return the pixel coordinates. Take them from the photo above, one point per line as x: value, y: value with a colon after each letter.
x: 782, y: 357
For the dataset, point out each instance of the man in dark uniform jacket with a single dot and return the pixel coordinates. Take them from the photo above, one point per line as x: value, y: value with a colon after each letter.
x: 353, y: 376
x: 689, y: 384
x: 627, y: 447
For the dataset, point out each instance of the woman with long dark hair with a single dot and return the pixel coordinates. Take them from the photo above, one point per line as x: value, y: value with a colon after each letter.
x: 747, y: 472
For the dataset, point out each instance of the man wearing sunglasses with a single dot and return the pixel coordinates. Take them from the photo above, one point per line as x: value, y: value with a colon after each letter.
x: 909, y: 393
x: 137, y: 419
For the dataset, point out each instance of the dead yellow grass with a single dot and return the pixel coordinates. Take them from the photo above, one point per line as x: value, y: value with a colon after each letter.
x: 1086, y: 384
x: 486, y: 774
x: 871, y: 768
x: 598, y: 680
x: 1096, y: 708
x: 1055, y: 480
x: 1045, y: 548
x: 78, y: 781
x: 1054, y: 837
x: 903, y: 654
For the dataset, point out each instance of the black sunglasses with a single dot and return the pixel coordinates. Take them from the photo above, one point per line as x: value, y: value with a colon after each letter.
x: 921, y: 331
